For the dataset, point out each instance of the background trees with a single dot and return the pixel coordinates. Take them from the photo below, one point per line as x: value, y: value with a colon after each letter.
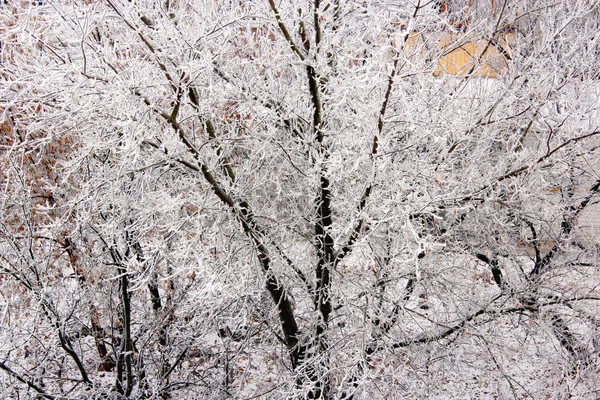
x: 213, y: 200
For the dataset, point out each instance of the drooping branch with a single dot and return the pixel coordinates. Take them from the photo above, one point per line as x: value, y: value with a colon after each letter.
x: 574, y: 211
x: 30, y: 383
x: 65, y: 343
x: 567, y: 339
x: 496, y: 272
x: 534, y: 242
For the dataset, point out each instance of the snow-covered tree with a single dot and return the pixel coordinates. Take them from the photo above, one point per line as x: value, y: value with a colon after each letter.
x: 289, y: 199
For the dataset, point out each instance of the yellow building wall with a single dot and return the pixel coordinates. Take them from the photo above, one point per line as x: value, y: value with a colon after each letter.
x: 459, y: 57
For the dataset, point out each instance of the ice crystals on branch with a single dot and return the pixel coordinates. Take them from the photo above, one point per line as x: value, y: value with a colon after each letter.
x: 283, y: 199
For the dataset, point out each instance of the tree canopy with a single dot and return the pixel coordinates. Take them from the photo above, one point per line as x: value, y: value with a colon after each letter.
x: 289, y: 199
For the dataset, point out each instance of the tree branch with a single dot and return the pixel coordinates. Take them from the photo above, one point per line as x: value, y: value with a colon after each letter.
x: 358, y: 227
x: 41, y: 392
x: 285, y: 31
x: 541, y: 264
x: 496, y: 272
x: 245, y: 216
